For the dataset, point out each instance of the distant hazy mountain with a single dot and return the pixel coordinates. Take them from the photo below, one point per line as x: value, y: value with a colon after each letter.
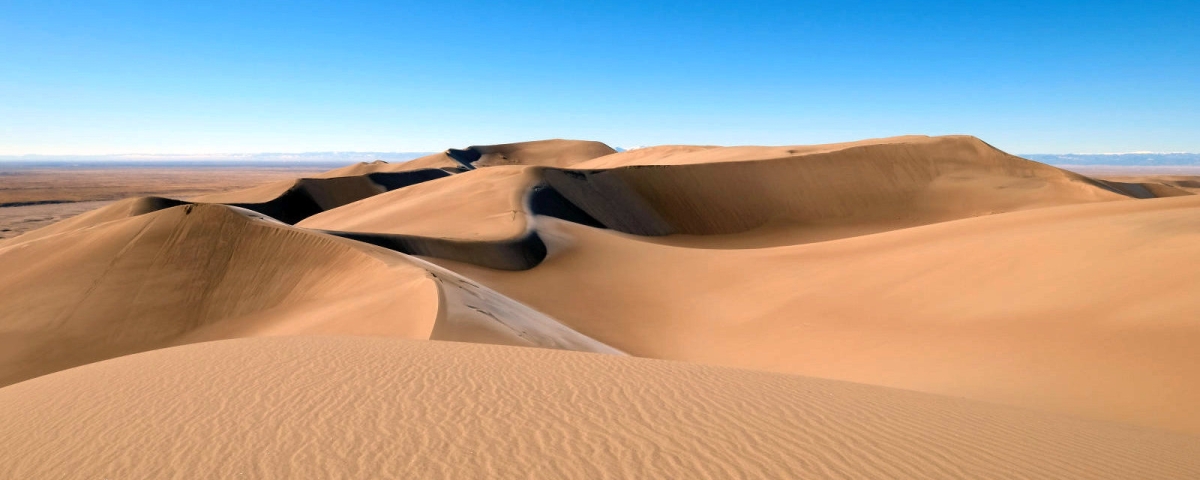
x: 342, y: 158
x: 1131, y: 159
x: 332, y: 158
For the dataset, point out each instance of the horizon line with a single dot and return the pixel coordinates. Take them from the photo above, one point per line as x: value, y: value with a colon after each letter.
x: 427, y: 152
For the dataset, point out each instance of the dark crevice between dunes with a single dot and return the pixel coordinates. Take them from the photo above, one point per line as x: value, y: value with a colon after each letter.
x: 466, y: 156
x: 309, y: 196
x: 594, y: 198
x: 521, y: 253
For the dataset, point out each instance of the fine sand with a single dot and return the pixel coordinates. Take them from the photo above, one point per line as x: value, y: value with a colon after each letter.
x: 1079, y: 309
x: 1000, y: 318
x: 186, y: 273
x: 377, y: 408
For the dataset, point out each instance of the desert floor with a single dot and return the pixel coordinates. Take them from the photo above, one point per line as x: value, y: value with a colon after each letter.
x: 33, y: 196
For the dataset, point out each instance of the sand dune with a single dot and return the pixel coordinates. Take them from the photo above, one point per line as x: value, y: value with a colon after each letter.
x: 378, y: 408
x: 752, y: 198
x: 437, y: 161
x: 932, y: 264
x: 1081, y: 309
x: 199, y: 272
x: 547, y: 153
x: 819, y: 192
x: 483, y: 204
x: 1158, y: 185
x: 130, y: 207
x: 558, y: 153
x: 478, y: 216
x: 293, y: 201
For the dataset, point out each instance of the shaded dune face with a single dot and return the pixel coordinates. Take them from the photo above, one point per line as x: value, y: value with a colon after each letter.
x: 887, y: 184
x: 291, y: 203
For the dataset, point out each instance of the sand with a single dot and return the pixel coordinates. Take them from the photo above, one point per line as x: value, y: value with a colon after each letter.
x: 810, y: 195
x: 310, y: 407
x: 483, y: 204
x: 999, y: 317
x: 188, y: 273
x: 33, y: 196
x: 1010, y: 308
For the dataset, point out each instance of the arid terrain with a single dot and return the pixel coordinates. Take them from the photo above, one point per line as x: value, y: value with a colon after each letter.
x: 35, y: 195
x: 906, y: 307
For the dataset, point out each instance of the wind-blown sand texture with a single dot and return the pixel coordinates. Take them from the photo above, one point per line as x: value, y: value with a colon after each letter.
x: 1048, y: 318
x: 370, y: 408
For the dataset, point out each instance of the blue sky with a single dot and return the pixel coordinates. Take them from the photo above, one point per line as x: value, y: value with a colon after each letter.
x: 195, y: 77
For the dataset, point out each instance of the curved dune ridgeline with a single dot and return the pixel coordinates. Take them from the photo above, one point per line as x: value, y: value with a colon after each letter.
x: 198, y: 272
x: 1000, y: 317
x: 815, y: 194
x: 1081, y: 309
x: 291, y: 202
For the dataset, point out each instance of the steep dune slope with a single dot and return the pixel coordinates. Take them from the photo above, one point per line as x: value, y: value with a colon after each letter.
x: 380, y: 408
x: 293, y: 201
x: 193, y: 272
x: 828, y: 192
x: 478, y: 216
x: 547, y: 153
x: 483, y: 204
x: 695, y: 154
x: 819, y: 192
x: 129, y: 207
x: 200, y: 272
x: 1080, y: 309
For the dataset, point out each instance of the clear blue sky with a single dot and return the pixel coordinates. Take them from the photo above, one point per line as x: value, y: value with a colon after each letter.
x: 186, y: 77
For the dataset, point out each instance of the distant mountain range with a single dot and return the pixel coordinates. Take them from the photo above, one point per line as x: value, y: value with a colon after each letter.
x: 342, y: 158
x: 133, y: 159
x: 1117, y: 159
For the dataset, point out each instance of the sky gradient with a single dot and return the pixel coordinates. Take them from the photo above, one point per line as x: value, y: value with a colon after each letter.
x: 212, y: 77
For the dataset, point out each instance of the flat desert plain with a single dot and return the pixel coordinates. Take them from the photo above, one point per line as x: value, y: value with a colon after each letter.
x: 33, y: 195
x: 907, y: 307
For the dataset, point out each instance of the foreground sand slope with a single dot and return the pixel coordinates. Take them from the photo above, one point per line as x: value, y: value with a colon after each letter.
x: 1083, y: 309
x: 115, y: 285
x: 310, y: 407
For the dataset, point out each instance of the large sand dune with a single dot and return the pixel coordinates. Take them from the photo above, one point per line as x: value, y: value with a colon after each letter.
x: 1083, y: 309
x: 933, y: 264
x: 197, y: 272
x: 293, y: 201
x: 377, y: 408
x: 747, y: 197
